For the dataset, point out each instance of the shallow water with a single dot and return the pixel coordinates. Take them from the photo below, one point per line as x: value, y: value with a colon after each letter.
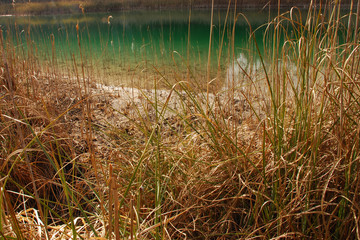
x: 130, y: 47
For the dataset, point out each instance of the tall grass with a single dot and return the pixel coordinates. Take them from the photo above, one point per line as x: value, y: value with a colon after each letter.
x: 274, y: 155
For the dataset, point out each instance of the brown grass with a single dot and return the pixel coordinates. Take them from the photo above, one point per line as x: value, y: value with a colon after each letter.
x: 179, y: 163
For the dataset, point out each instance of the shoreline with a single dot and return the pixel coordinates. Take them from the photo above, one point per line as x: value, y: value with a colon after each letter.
x: 75, y: 7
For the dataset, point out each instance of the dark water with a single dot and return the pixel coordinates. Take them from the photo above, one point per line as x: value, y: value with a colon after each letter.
x: 128, y: 43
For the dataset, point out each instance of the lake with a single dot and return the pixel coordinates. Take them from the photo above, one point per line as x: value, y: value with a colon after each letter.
x: 134, y: 48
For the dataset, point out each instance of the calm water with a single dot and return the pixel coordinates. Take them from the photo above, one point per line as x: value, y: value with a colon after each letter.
x: 131, y: 46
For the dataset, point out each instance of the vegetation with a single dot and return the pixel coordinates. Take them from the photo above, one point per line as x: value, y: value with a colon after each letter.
x: 274, y: 155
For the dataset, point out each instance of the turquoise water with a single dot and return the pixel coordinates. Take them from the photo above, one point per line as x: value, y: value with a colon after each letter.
x: 115, y: 44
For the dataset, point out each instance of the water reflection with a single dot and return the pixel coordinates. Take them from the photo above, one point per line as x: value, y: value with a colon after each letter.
x: 127, y: 42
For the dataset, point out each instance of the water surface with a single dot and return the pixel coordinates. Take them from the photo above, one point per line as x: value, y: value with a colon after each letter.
x: 132, y: 47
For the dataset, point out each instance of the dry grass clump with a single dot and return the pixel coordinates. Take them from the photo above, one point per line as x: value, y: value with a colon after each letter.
x: 40, y: 162
x: 37, y: 149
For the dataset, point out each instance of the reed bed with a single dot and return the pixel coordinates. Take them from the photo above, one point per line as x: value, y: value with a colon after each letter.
x: 275, y: 154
